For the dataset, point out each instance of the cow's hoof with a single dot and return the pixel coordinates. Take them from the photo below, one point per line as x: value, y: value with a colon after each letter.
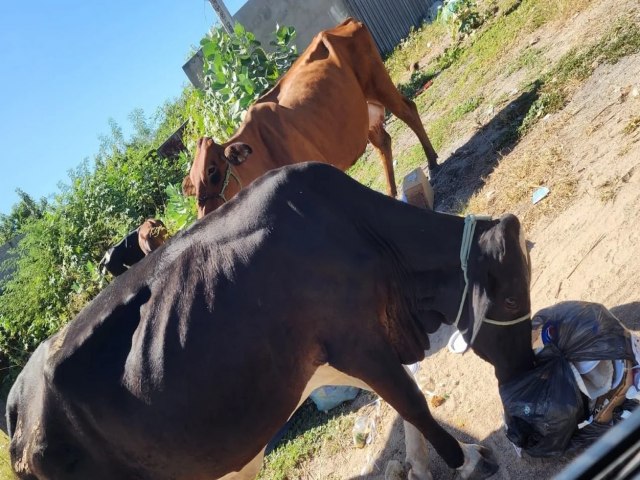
x: 414, y: 475
x: 394, y: 471
x: 433, y: 172
x: 479, y: 462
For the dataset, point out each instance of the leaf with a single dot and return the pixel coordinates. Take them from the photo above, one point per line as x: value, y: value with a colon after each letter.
x: 239, y: 30
x: 209, y: 49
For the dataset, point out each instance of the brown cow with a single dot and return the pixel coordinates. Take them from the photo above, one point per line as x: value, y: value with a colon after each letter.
x: 324, y: 109
x: 151, y: 235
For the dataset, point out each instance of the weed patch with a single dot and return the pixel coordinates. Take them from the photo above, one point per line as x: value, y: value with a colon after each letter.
x: 529, y: 58
x: 448, y: 57
x: 466, y: 107
x: 5, y: 465
x: 577, y: 65
x: 413, y: 48
x: 415, y: 84
x: 310, y: 432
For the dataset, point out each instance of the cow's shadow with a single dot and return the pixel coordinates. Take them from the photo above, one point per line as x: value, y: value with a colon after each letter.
x: 464, y: 172
x: 511, y: 464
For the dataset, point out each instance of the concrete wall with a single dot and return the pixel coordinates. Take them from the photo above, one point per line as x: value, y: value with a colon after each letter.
x: 308, y: 17
x: 193, y: 70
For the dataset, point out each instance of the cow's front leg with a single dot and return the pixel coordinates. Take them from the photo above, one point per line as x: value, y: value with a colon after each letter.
x: 479, y: 462
x: 379, y: 368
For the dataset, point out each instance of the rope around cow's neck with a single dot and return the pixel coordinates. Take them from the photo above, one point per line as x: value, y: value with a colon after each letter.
x: 470, y: 222
x: 225, y: 183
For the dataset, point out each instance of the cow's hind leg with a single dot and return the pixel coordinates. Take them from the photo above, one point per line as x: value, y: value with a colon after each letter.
x: 386, y: 93
x: 381, y: 140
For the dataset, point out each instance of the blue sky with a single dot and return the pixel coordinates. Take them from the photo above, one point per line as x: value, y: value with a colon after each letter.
x: 66, y: 67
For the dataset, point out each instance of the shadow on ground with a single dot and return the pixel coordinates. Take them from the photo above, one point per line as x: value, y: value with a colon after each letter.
x: 464, y: 172
x: 511, y: 466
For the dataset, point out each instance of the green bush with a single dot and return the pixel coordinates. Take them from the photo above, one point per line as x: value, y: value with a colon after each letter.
x: 56, y: 271
x: 26, y: 208
x: 62, y: 240
x: 180, y: 211
x: 237, y: 70
x: 462, y: 16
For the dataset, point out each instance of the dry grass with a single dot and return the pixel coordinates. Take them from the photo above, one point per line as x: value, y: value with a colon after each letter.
x: 608, y: 190
x: 632, y: 126
x: 510, y: 186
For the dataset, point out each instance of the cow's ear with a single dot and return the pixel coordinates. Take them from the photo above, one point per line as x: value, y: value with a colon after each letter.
x: 236, y: 153
x: 188, y: 190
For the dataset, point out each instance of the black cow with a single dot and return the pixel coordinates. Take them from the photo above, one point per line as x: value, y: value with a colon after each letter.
x: 186, y: 366
x: 123, y: 255
x: 133, y: 247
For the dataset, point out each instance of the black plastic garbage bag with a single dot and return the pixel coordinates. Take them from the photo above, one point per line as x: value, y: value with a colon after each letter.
x: 584, y: 331
x: 544, y: 406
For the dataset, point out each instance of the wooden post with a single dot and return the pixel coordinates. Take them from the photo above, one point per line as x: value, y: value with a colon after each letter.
x: 223, y: 14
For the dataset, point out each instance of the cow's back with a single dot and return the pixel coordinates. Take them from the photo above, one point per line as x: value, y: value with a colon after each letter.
x: 349, y: 47
x: 320, y: 105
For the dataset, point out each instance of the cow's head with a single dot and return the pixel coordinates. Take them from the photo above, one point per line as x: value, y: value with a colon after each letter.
x: 498, y: 299
x: 151, y: 235
x: 211, y: 178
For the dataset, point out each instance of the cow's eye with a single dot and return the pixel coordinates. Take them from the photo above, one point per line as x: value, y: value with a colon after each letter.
x: 511, y: 303
x: 214, y: 175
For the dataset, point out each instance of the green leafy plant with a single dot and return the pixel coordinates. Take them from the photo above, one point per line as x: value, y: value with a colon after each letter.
x: 462, y: 16
x: 237, y: 70
x: 415, y: 84
x: 449, y: 57
x: 180, y: 211
x: 61, y: 241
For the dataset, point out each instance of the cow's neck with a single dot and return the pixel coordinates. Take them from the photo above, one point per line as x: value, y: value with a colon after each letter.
x: 427, y: 241
x: 268, y: 153
x: 427, y: 247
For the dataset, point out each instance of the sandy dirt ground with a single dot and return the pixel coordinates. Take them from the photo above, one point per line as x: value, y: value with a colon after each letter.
x: 588, y: 251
